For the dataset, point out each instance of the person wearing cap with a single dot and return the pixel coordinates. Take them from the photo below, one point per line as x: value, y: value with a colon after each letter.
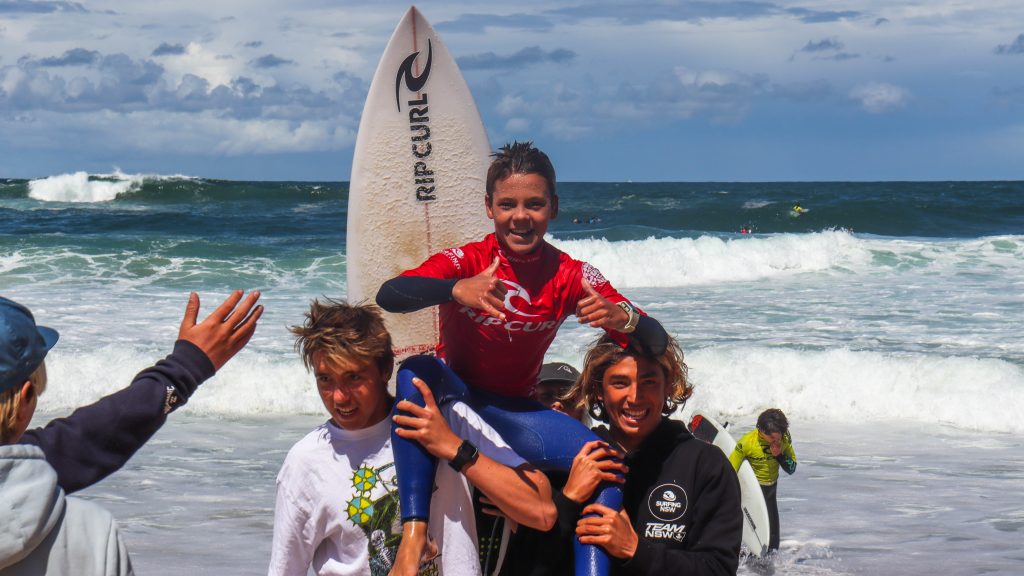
x: 44, y: 531
x: 555, y: 379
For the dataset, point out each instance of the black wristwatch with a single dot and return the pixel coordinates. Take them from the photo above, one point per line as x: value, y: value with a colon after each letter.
x: 465, y: 456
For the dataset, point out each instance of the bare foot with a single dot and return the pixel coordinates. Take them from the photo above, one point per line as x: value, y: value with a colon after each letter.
x: 415, y: 549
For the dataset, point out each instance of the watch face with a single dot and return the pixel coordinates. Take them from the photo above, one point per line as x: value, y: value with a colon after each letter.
x: 466, y: 454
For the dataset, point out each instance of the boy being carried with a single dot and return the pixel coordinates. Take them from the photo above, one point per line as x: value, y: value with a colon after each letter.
x: 501, y: 301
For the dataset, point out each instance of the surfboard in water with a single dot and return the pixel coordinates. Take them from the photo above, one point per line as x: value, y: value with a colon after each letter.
x: 418, y: 173
x: 755, y: 511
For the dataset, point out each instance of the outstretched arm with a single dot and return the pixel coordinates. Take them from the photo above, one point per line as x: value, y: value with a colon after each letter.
x: 96, y: 440
x: 523, y: 494
x: 410, y: 293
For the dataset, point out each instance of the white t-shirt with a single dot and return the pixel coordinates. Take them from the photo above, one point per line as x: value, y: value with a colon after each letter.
x: 337, y: 502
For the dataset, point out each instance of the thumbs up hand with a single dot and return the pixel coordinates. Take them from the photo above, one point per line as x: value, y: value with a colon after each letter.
x: 485, y: 291
x: 598, y: 311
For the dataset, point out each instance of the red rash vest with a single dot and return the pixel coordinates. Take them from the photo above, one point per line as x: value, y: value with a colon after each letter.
x: 543, y: 290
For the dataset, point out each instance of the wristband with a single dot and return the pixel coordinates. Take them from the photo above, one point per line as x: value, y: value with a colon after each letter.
x: 465, y: 456
x: 634, y: 317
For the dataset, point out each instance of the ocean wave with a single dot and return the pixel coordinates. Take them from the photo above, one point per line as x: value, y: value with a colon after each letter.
x: 82, y: 187
x: 856, y: 386
x: 708, y: 259
x: 736, y: 382
x: 251, y: 384
x: 166, y: 264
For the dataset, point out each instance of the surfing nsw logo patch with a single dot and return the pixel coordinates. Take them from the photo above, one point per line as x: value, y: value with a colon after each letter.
x: 455, y: 256
x: 667, y: 502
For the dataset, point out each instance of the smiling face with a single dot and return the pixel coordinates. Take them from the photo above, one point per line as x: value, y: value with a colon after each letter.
x: 521, y: 207
x: 354, y: 394
x: 633, y: 391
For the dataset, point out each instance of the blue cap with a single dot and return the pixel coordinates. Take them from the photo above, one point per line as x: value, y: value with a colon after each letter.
x: 23, y: 345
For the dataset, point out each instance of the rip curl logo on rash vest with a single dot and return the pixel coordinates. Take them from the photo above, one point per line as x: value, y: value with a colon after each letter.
x: 520, y: 293
x: 667, y: 502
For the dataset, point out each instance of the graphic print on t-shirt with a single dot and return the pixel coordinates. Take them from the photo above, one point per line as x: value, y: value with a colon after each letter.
x: 374, y: 508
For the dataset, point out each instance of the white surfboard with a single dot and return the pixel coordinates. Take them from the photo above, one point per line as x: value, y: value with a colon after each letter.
x: 755, y: 512
x: 418, y: 173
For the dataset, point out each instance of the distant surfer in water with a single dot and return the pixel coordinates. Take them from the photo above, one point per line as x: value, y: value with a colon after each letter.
x: 797, y: 210
x: 501, y: 302
x: 768, y: 448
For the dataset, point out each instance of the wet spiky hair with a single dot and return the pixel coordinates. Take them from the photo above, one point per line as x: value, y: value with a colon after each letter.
x: 520, y: 158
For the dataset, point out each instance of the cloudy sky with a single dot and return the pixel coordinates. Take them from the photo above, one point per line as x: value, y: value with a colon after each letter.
x: 613, y: 90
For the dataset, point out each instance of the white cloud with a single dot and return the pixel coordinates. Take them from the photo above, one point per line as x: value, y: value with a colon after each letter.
x: 880, y: 97
x: 517, y: 125
x: 202, y: 62
x: 566, y: 129
x: 511, y: 105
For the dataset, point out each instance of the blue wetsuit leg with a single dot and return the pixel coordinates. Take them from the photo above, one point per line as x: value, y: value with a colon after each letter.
x: 543, y: 437
x: 414, y: 466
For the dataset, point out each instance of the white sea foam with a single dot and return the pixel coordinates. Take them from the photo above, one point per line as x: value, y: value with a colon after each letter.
x: 665, y: 262
x: 83, y: 187
x: 79, y: 187
x: 251, y: 384
x: 668, y: 262
x: 736, y: 382
x: 847, y: 386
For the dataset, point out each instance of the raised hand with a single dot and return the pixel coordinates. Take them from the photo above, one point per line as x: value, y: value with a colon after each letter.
x: 485, y: 291
x: 598, y: 311
x: 594, y: 463
x: 225, y: 331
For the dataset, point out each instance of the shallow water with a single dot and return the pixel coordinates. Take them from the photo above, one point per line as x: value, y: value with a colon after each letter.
x: 887, y: 498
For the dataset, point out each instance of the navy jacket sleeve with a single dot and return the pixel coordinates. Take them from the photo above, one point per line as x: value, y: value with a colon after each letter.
x: 96, y: 440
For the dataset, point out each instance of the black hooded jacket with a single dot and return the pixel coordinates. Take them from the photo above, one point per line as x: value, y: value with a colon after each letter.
x: 683, y: 499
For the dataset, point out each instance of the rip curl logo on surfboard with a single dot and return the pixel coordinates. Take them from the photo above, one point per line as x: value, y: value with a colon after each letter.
x: 413, y: 82
x: 419, y: 122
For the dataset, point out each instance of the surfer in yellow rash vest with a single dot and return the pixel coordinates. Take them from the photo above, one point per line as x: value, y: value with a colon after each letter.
x: 768, y: 448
